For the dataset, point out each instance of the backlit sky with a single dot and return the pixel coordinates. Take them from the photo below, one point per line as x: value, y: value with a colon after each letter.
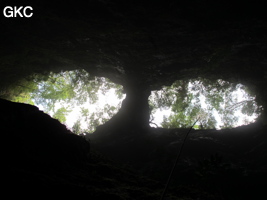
x: 111, y: 99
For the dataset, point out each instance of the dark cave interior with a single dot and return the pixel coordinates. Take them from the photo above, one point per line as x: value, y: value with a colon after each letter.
x: 142, y: 45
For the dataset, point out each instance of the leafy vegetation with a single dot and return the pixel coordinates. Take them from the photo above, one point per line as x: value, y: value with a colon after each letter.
x: 59, y: 93
x: 214, y: 103
x: 206, y: 101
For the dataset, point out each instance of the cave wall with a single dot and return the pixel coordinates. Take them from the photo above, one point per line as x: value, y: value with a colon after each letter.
x: 142, y: 43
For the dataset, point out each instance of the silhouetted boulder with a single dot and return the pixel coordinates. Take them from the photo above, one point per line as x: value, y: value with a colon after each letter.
x: 30, y: 137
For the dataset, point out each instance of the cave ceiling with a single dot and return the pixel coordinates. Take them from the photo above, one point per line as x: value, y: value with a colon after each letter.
x: 148, y: 43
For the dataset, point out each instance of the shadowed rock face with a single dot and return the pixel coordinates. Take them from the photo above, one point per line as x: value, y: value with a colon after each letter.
x: 133, y: 116
x: 30, y: 136
x: 229, y: 161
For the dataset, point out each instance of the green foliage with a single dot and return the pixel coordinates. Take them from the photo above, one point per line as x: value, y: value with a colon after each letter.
x: 20, y: 91
x: 85, y: 113
x: 61, y: 113
x: 76, y: 128
x: 185, y: 98
x: 58, y: 87
x: 77, y: 88
x: 70, y: 89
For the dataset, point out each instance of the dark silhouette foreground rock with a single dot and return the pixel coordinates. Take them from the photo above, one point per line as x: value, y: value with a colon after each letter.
x: 40, y: 157
x: 30, y: 134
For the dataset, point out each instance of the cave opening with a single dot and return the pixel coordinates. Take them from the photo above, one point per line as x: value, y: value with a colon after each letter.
x: 215, y: 104
x: 83, y: 102
x: 75, y: 98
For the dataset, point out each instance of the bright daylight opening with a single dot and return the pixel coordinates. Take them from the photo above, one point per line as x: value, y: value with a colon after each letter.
x: 82, y: 102
x: 77, y: 100
x: 216, y: 105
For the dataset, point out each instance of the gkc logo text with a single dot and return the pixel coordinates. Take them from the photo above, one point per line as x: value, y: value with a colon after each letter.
x: 15, y: 11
